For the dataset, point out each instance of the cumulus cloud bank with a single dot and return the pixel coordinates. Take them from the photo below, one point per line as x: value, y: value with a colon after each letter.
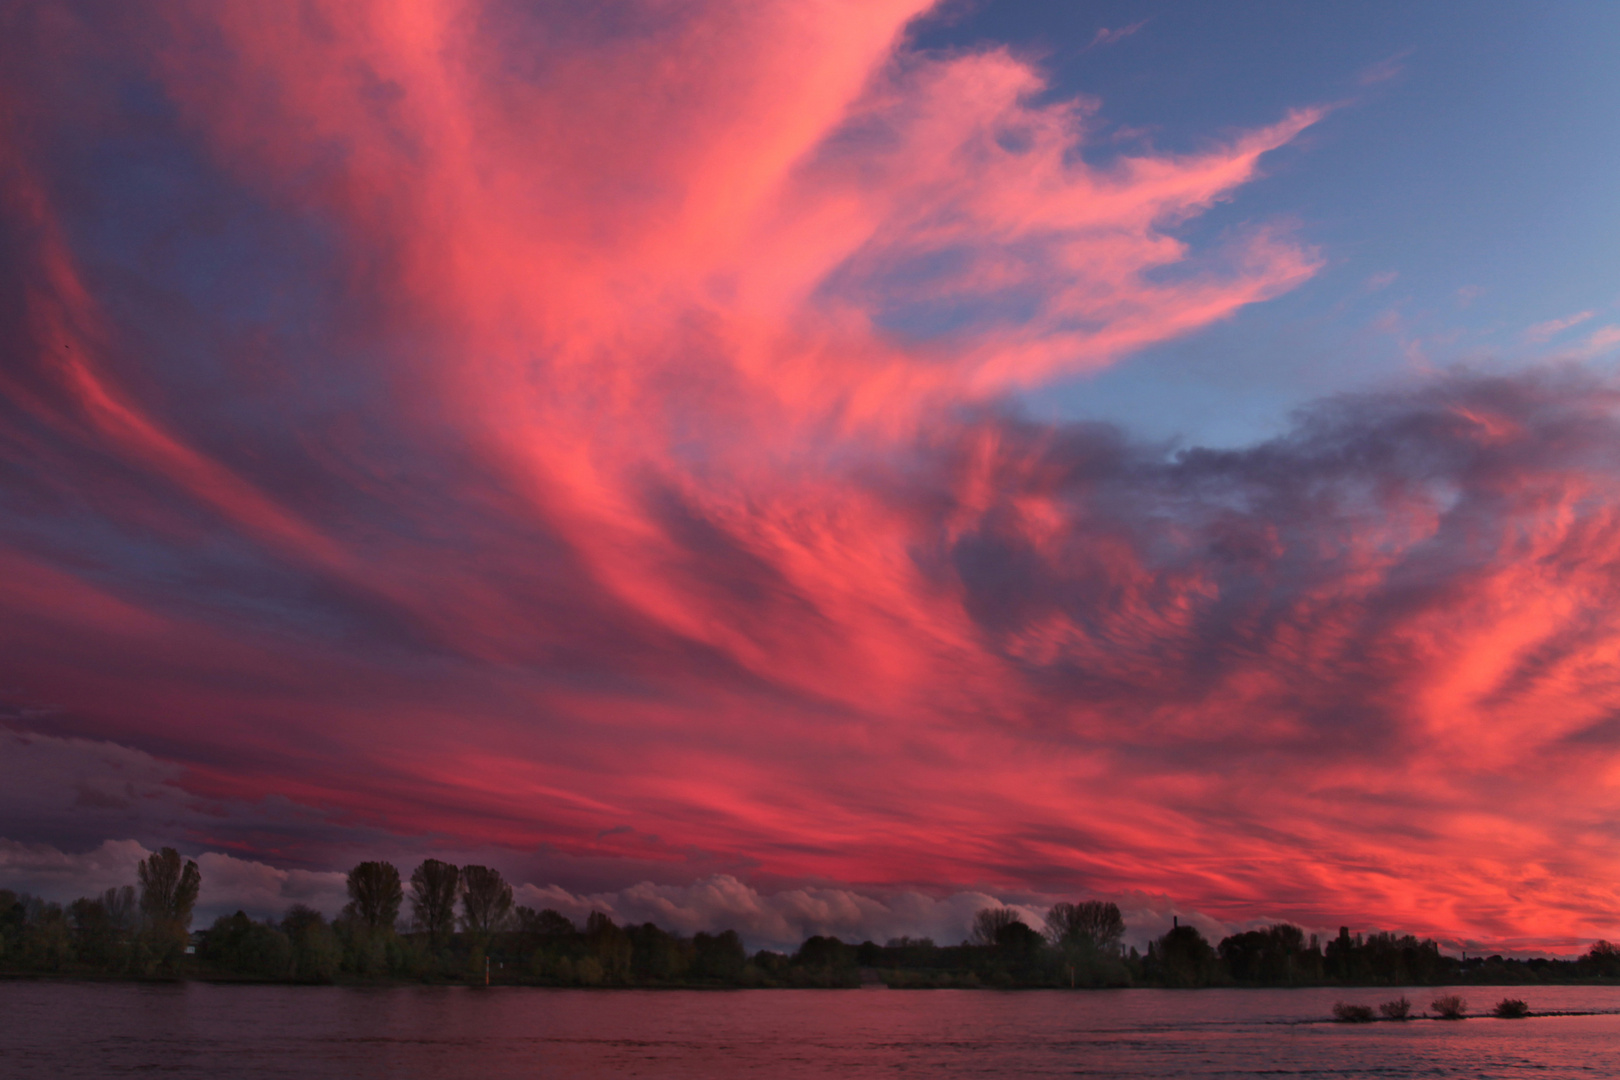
x: 779, y: 920
x: 584, y: 432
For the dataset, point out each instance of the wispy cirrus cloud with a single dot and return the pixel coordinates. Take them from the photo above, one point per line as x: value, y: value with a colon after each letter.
x: 1384, y: 70
x: 1545, y: 331
x: 1106, y: 36
x: 1602, y: 339
x: 545, y: 430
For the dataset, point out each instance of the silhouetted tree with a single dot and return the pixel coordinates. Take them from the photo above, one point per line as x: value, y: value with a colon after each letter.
x: 825, y: 961
x: 609, y: 945
x: 168, y: 893
x: 486, y: 900
x: 374, y: 895
x: 1091, y: 926
x: 13, y: 918
x: 1088, y: 938
x: 94, y: 936
x: 1017, y: 955
x: 121, y: 909
x: 1275, y: 956
x: 656, y: 954
x: 434, y: 886
x: 47, y: 943
x: 317, y: 954
x: 546, y: 924
x: 168, y: 890
x: 1019, y: 939
x: 239, y: 945
x: 1401, y: 959
x: 719, y: 956
x: 1344, y: 959
x: 990, y: 924
x: 1387, y: 959
x: 1182, y: 958
x: 1603, y: 960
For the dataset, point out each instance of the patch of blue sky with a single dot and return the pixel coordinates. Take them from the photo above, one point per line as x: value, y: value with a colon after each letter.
x: 1461, y: 193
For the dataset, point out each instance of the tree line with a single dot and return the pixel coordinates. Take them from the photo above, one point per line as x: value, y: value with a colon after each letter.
x: 449, y: 923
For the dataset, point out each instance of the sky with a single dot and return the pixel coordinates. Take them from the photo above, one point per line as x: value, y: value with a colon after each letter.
x: 821, y: 466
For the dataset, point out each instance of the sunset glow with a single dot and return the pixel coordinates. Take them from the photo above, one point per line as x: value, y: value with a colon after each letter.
x: 611, y: 439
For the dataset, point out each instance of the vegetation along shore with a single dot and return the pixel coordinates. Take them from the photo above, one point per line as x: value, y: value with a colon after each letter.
x: 464, y: 927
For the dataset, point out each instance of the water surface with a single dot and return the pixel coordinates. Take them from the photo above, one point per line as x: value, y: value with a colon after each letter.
x: 67, y: 1029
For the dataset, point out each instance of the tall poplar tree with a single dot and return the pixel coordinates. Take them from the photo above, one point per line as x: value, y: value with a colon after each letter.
x: 486, y: 900
x: 375, y: 895
x: 434, y: 886
x: 168, y: 889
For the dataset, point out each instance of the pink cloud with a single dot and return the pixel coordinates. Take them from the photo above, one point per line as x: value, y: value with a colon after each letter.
x: 624, y: 472
x: 1603, y: 338
x: 1553, y: 327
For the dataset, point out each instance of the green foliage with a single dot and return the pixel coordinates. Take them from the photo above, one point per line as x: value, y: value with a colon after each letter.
x: 168, y: 889
x: 47, y: 944
x: 609, y: 946
x: 317, y: 954
x: 168, y: 893
x: 160, y: 948
x: 365, y: 947
x: 409, y: 958
x: 95, y: 936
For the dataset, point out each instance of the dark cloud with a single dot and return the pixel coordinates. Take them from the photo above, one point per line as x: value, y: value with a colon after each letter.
x: 395, y: 459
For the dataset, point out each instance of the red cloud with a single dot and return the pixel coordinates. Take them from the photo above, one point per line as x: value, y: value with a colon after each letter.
x: 603, y: 449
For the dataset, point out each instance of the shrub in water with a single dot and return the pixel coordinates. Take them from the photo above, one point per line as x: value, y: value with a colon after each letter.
x: 1512, y: 1009
x: 1450, y: 1007
x: 1352, y: 1014
x: 1399, y: 1009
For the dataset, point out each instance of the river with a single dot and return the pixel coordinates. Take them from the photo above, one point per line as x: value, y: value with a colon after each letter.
x: 82, y: 1029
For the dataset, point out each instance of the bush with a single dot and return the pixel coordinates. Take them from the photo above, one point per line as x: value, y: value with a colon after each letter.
x: 1399, y: 1009
x: 1512, y: 1009
x: 1352, y: 1014
x: 317, y: 955
x: 409, y: 957
x: 1449, y: 1007
x: 239, y: 945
